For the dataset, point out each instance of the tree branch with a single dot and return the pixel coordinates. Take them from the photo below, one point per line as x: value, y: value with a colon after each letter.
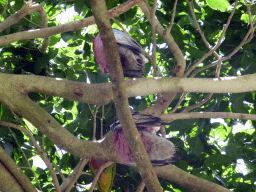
x: 167, y: 98
x: 18, y: 101
x: 172, y: 173
x: 15, y: 95
x: 101, y: 94
x: 72, y: 178
x: 225, y: 27
x: 47, y: 32
x: 12, y: 178
x: 167, y: 118
x: 39, y: 150
x: 120, y: 97
x: 168, y: 30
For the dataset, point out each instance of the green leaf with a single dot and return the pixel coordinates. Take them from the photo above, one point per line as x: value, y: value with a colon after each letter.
x: 221, y: 5
x: 196, y: 145
x: 87, y: 50
x: 195, y: 53
x: 237, y: 100
x: 5, y: 113
x: 53, y: 150
x: 97, y: 77
x: 233, y: 150
x: 41, y: 63
x: 183, y: 126
x: 64, y: 161
x: 68, y: 35
x: 79, y: 6
x: 217, y: 161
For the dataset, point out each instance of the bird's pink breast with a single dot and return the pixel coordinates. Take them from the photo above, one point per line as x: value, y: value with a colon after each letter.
x: 100, y: 54
x: 123, y: 149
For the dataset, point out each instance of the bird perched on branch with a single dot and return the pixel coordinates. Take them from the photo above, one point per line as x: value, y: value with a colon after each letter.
x: 160, y: 150
x: 131, y: 55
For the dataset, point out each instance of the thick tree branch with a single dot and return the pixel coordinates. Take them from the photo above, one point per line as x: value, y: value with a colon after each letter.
x: 18, y: 101
x: 101, y: 94
x: 12, y: 178
x: 120, y: 97
x: 172, y: 173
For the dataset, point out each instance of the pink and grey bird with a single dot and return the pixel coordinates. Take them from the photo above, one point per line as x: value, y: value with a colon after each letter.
x: 160, y: 150
x: 131, y: 55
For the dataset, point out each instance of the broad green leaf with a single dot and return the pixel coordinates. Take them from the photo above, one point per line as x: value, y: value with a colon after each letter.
x: 221, y: 5
x: 217, y: 161
x: 196, y: 145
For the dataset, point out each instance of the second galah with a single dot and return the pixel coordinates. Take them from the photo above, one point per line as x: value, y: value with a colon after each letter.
x: 160, y: 150
x: 131, y: 55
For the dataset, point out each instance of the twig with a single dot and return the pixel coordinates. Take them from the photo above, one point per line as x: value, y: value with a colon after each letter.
x: 168, y: 30
x: 207, y: 98
x: 248, y: 37
x: 6, y: 124
x: 101, y: 122
x: 20, y: 121
x: 94, y: 121
x: 34, y: 174
x: 216, y: 46
x: 119, y: 24
x: 191, y: 7
x: 61, y: 174
x: 174, y: 109
x: 164, y: 101
x: 72, y: 178
x: 4, y: 11
x: 167, y: 118
x: 43, y: 141
x: 28, y: 8
x: 153, y: 24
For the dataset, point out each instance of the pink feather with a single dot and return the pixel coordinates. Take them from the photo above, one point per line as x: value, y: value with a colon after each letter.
x: 160, y: 150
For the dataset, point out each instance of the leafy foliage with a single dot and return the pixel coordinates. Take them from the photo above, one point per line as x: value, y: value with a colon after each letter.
x: 223, y: 152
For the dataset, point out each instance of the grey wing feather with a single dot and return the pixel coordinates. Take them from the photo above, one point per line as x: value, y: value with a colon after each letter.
x: 141, y: 121
x: 125, y: 40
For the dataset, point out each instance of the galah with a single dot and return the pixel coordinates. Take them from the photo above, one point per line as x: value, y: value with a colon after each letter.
x: 131, y: 55
x: 160, y: 150
x: 106, y: 179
